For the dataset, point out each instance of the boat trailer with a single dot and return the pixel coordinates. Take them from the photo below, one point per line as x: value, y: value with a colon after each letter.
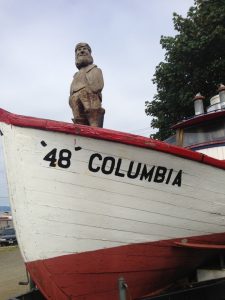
x: 31, y: 295
x: 210, y: 290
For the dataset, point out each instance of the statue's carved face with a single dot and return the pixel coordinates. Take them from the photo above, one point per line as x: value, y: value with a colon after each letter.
x: 83, y: 56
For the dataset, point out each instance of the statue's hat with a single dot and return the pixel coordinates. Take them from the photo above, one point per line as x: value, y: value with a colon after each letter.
x: 82, y: 45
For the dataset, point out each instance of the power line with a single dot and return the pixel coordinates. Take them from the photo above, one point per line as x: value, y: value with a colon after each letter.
x: 140, y: 129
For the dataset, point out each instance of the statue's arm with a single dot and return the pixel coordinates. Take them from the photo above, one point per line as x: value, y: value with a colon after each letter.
x: 71, y: 93
x: 95, y: 80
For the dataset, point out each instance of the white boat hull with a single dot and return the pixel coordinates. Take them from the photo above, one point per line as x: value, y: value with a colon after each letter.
x: 76, y: 210
x: 73, y: 195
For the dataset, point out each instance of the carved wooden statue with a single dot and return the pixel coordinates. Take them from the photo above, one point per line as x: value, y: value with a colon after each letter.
x: 85, y: 91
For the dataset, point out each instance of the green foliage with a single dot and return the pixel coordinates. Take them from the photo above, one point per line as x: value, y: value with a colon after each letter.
x: 194, y: 62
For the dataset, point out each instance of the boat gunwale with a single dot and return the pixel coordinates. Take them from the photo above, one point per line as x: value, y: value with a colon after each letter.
x: 203, y: 118
x: 107, y: 134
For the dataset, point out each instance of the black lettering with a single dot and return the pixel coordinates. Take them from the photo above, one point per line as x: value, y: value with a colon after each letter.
x: 43, y: 143
x: 92, y: 157
x: 111, y: 166
x: 169, y: 176
x: 160, y: 174
x: 130, y: 170
x: 78, y: 148
x: 64, y: 158
x: 147, y: 174
x: 51, y: 156
x: 178, y: 178
x: 117, y: 172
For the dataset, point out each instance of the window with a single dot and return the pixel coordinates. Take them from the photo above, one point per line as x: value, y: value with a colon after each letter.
x: 208, y: 132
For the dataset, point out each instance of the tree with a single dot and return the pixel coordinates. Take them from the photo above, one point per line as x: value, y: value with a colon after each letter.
x: 194, y: 62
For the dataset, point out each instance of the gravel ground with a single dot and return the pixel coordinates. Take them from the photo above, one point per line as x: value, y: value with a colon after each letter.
x: 12, y: 270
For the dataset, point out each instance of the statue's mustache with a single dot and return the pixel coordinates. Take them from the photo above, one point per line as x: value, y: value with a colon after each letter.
x: 83, y: 60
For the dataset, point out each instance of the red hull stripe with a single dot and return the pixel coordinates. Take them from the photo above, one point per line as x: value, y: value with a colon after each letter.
x: 106, y: 134
x: 146, y: 268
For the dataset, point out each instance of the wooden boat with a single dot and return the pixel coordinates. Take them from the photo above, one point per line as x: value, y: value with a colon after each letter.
x: 91, y: 205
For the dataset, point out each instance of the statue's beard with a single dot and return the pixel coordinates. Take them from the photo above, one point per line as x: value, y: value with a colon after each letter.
x: 83, y: 61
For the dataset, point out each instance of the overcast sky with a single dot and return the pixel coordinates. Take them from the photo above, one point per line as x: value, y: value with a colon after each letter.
x: 37, y: 56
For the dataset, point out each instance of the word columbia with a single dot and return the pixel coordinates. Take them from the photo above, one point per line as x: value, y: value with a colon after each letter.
x: 110, y: 165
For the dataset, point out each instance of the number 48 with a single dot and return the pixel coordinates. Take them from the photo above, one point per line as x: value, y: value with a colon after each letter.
x: 63, y: 160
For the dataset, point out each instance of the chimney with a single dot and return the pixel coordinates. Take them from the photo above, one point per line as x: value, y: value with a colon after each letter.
x: 221, y: 91
x: 198, y: 104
